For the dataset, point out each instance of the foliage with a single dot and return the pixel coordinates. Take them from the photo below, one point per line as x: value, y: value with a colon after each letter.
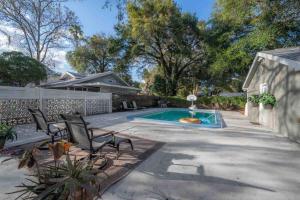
x: 254, y: 99
x: 73, y: 179
x: 267, y: 99
x: 43, y: 24
x: 18, y: 70
x: 98, y: 54
x: 7, y: 132
x: 161, y: 35
x: 226, y: 103
x: 239, y: 29
x: 76, y: 34
x: 95, y: 56
x: 159, y: 85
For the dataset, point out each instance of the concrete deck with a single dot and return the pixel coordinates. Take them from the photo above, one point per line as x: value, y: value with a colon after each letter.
x: 241, y: 161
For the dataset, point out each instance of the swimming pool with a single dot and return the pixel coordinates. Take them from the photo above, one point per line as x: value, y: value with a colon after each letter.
x: 209, y: 118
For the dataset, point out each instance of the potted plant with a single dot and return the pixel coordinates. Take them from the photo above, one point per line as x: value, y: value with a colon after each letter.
x: 254, y: 99
x: 267, y: 100
x: 6, y: 133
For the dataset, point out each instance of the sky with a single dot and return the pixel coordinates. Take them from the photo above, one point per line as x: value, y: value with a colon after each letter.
x: 96, y: 19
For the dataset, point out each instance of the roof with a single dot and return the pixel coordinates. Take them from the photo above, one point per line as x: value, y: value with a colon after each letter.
x: 285, y: 56
x: 97, y: 84
x: 81, y: 82
x: 75, y: 75
x: 287, y: 53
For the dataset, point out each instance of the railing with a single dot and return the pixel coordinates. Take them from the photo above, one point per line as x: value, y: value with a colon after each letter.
x: 15, y: 101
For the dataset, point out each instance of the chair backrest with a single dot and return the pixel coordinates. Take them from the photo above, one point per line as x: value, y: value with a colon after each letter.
x: 134, y: 105
x: 124, y: 104
x: 39, y: 118
x: 78, y: 131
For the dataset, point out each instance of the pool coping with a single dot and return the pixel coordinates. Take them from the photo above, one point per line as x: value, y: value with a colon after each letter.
x: 138, y: 117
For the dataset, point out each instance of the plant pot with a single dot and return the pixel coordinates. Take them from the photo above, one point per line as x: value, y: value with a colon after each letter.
x: 254, y: 104
x: 2, y: 143
x: 268, y: 106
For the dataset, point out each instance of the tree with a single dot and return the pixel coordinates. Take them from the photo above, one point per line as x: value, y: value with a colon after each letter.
x: 99, y: 54
x: 16, y: 69
x: 44, y: 24
x: 159, y: 85
x: 239, y: 29
x: 95, y: 56
x: 76, y: 34
x: 161, y: 35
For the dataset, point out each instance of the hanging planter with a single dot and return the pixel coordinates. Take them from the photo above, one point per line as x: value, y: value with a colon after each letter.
x: 267, y: 100
x: 254, y: 100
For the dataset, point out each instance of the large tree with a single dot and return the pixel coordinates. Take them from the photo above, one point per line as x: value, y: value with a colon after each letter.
x: 239, y: 29
x: 16, y: 69
x: 100, y: 53
x: 43, y: 23
x: 161, y: 35
x: 96, y: 55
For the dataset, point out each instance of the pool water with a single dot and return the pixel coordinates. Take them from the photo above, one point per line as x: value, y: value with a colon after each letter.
x: 208, y: 118
x: 175, y: 115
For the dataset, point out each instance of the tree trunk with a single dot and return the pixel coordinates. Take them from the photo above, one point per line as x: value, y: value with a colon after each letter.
x: 172, y: 85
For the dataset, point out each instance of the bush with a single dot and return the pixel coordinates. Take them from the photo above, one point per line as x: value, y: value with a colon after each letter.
x: 254, y: 99
x: 218, y: 102
x: 267, y: 99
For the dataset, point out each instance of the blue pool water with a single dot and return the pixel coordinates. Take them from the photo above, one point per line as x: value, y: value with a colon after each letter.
x: 209, y: 119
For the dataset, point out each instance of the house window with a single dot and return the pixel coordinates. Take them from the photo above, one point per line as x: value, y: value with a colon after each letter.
x: 111, y: 81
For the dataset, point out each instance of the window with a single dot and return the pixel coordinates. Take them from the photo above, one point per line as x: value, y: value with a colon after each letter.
x: 111, y: 81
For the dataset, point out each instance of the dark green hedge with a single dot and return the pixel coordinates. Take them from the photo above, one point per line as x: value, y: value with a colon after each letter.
x: 217, y: 102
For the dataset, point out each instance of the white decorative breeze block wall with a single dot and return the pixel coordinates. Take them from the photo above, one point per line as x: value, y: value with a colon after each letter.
x: 15, y: 101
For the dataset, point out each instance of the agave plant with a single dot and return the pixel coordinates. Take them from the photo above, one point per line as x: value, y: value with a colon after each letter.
x: 6, y: 133
x: 72, y: 180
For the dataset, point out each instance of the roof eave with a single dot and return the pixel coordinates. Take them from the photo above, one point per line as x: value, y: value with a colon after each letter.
x: 285, y: 61
x: 250, y: 73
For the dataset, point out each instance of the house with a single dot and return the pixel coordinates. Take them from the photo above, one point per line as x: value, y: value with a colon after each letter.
x: 107, y: 82
x: 276, y: 72
x: 71, y: 76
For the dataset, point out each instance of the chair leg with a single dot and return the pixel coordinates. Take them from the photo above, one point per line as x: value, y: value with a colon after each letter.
x: 52, y: 138
x: 130, y: 142
x: 61, y: 134
x: 118, y: 151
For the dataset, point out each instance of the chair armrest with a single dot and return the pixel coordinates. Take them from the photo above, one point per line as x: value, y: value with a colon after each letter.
x: 106, y: 133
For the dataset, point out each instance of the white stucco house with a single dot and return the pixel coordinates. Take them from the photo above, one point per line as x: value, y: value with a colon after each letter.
x: 276, y: 72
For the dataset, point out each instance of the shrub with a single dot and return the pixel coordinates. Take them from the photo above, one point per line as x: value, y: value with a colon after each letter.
x: 226, y: 103
x: 254, y: 99
x: 267, y: 99
x: 6, y: 133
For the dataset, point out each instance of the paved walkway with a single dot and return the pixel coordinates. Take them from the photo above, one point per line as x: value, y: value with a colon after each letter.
x: 241, y: 161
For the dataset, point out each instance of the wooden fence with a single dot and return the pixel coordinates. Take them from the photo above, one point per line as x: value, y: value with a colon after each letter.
x: 15, y: 101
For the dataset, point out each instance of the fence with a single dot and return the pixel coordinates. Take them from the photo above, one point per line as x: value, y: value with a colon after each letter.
x: 15, y: 101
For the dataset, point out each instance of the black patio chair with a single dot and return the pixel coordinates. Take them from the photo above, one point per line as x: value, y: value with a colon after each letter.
x: 126, y: 107
x: 42, y: 124
x: 85, y: 139
x: 137, y: 107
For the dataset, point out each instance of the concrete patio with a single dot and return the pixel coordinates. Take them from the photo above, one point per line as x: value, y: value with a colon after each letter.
x: 240, y: 161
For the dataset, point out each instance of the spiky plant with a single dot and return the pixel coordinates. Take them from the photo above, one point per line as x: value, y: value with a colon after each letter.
x: 6, y: 133
x: 71, y: 180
